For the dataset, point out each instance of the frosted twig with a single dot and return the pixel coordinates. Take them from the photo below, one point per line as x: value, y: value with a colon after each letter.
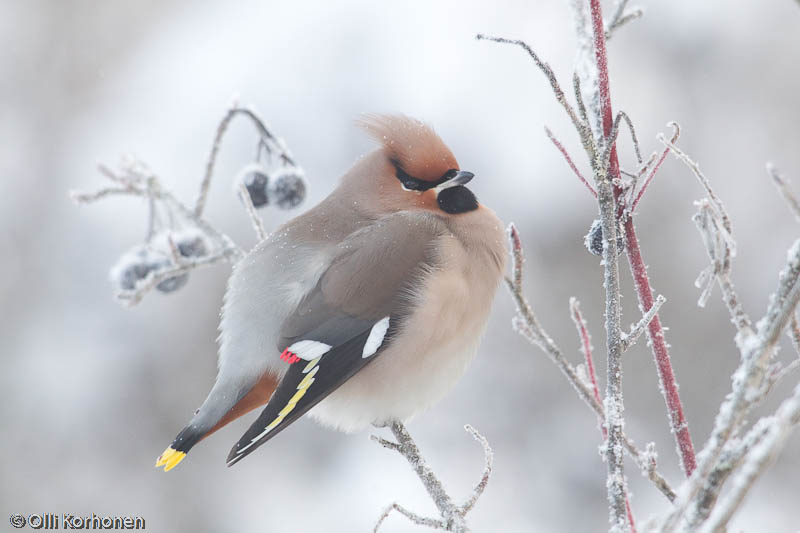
x: 258, y: 224
x: 757, y: 459
x: 270, y: 143
x: 569, y: 161
x: 786, y: 191
x: 676, y: 133
x: 415, y: 518
x: 695, y: 168
x: 488, y: 455
x: 136, y: 179
x: 613, y: 401
x: 748, y: 388
x: 133, y: 297
x: 630, y: 338
x: 576, y: 87
x: 586, y: 348
x: 583, y: 129
x: 624, y: 116
x: 620, y: 18
x: 794, y: 333
x: 529, y: 327
x: 714, y: 224
x: 452, y: 515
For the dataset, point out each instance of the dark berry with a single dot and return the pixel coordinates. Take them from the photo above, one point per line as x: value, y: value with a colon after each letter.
x: 191, y: 245
x: 173, y: 284
x: 131, y: 268
x: 257, y: 183
x: 594, y: 239
x: 288, y: 189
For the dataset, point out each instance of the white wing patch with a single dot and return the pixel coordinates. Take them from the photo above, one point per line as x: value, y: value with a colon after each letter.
x: 376, y: 336
x: 309, y: 350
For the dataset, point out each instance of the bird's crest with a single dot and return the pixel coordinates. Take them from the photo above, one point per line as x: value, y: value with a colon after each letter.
x: 410, y: 144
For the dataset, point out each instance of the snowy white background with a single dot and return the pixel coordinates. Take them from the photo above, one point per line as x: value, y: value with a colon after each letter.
x: 91, y: 392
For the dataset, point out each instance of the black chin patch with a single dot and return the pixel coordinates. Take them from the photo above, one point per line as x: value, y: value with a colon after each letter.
x: 456, y: 200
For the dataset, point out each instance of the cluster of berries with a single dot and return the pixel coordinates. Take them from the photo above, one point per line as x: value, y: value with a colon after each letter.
x: 145, y: 259
x: 286, y: 188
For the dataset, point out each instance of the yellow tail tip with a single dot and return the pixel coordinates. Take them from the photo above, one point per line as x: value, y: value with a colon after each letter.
x: 170, y: 459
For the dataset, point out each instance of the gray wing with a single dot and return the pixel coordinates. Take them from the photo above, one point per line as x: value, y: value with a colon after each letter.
x: 347, y: 320
x: 371, y: 276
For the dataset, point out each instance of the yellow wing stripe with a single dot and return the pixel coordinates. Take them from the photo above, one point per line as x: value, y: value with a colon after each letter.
x: 311, y: 364
x: 302, y: 387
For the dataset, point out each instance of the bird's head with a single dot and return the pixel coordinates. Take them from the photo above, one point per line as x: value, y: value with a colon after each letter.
x: 416, y: 170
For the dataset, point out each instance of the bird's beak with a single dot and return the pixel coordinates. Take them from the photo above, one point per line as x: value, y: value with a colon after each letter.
x: 461, y: 178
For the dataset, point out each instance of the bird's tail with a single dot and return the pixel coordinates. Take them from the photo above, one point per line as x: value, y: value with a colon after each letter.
x: 214, y: 414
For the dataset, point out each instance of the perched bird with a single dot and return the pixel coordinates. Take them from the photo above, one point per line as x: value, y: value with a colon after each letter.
x: 364, y: 310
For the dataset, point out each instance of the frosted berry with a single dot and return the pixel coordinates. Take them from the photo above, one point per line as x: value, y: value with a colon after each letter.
x: 594, y: 239
x: 131, y: 268
x: 288, y: 188
x: 257, y: 183
x: 191, y: 244
x: 173, y: 284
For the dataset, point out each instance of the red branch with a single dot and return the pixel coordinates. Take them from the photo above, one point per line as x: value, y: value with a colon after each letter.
x: 645, y: 293
x: 569, y: 161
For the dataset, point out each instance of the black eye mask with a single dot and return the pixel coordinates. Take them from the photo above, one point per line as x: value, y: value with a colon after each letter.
x: 415, y: 184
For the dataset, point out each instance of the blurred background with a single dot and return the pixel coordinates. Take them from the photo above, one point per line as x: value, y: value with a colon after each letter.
x: 91, y: 392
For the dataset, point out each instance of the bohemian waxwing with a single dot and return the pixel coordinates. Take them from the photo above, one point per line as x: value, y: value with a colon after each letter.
x: 367, y: 308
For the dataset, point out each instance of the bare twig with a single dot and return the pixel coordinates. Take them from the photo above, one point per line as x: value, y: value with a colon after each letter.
x: 785, y: 189
x: 779, y: 427
x: 415, y: 518
x: 613, y: 402
x: 621, y: 17
x: 714, y: 224
x: 636, y: 331
x: 749, y: 386
x: 676, y: 133
x: 569, y: 161
x: 529, y: 327
x: 452, y: 515
x: 488, y: 455
x: 586, y: 348
x: 270, y: 143
x: 794, y: 333
x: 583, y: 129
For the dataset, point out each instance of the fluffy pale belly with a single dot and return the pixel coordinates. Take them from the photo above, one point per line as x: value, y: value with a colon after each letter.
x: 427, y: 357
x: 399, y: 384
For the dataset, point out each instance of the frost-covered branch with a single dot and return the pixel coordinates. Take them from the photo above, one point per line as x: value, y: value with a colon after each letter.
x: 630, y: 338
x: 267, y: 141
x: 586, y: 348
x: 452, y: 516
x: 571, y: 164
x: 621, y: 17
x: 782, y: 183
x: 527, y: 325
x: 750, y: 384
x: 583, y: 128
x: 713, y: 222
x: 593, y: 70
x: 759, y: 456
x: 178, y: 239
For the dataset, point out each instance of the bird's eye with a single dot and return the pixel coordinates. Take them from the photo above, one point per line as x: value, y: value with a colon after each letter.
x: 410, y: 183
x: 450, y: 174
